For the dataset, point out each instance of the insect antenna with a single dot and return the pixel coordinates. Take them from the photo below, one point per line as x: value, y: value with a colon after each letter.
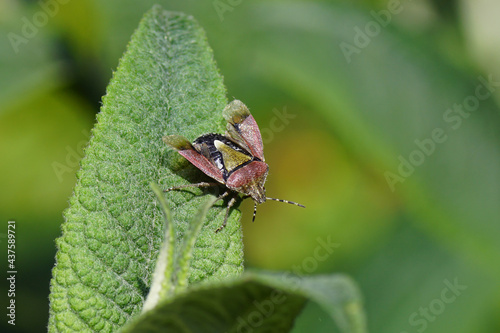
x: 285, y: 201
x: 254, y: 211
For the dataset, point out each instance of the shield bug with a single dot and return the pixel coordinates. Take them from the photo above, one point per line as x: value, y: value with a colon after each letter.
x: 235, y: 159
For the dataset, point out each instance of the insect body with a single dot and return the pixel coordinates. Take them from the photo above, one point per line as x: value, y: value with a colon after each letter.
x: 235, y: 159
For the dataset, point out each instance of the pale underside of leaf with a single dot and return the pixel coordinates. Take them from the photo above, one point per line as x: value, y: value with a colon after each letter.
x: 257, y: 302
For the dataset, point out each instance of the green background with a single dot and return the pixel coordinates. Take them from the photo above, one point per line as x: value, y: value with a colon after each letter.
x: 352, y: 120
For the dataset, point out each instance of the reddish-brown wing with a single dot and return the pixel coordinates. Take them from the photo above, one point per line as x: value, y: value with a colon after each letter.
x: 184, y: 147
x: 243, y: 129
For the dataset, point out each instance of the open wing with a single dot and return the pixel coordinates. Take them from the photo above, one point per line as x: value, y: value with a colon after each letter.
x: 186, y: 149
x: 243, y: 129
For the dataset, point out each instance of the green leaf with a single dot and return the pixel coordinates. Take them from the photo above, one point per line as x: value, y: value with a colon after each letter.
x: 166, y: 83
x: 162, y: 284
x: 256, y: 302
x: 188, y: 245
x: 171, y: 273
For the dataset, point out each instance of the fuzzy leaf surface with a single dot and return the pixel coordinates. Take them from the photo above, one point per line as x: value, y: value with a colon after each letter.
x: 166, y: 83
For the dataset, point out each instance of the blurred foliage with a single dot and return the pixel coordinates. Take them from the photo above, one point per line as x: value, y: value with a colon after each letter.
x: 353, y: 120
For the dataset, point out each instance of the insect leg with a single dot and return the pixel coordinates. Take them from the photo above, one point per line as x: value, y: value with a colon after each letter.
x: 222, y: 196
x: 229, y: 205
x: 202, y: 184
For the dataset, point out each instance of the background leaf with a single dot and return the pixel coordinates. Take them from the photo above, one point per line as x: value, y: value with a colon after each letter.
x: 257, y: 302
